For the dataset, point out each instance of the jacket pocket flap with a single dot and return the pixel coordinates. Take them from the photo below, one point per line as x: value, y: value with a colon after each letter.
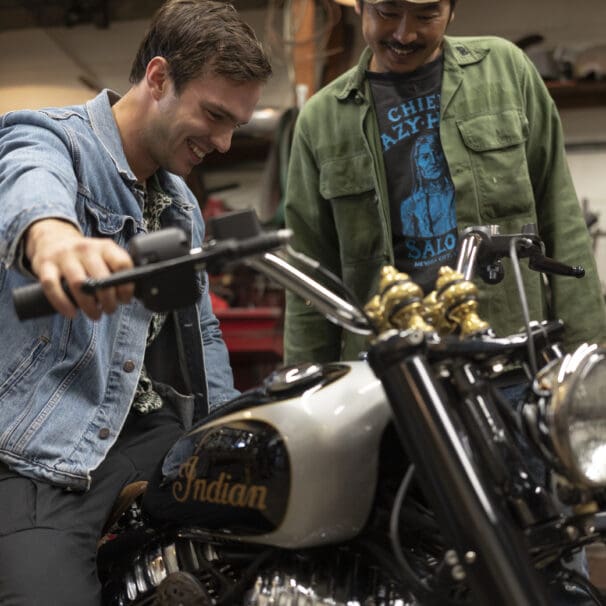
x: 494, y: 131
x: 346, y: 176
x: 107, y: 222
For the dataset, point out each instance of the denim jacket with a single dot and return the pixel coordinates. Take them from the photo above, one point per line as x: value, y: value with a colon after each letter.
x: 503, y: 142
x: 66, y: 386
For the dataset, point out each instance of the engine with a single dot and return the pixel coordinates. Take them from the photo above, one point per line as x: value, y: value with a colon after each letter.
x: 188, y: 571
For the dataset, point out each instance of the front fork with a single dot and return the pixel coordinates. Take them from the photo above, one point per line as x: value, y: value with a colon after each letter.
x: 491, y: 549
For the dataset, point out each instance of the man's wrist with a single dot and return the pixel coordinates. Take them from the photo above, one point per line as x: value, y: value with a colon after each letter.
x: 37, y: 231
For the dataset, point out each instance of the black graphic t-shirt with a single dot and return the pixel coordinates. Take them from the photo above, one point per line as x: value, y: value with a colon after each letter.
x: 421, y: 193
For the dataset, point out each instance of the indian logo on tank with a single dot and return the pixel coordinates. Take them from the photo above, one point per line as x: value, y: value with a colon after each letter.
x: 220, y: 491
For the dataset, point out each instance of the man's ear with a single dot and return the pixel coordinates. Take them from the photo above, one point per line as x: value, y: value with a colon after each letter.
x: 358, y: 7
x: 157, y: 76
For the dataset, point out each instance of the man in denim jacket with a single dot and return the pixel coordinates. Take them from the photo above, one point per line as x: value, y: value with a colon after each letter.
x: 90, y: 399
x: 428, y: 135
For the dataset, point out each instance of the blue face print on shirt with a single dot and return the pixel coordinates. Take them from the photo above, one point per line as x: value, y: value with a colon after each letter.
x: 429, y: 210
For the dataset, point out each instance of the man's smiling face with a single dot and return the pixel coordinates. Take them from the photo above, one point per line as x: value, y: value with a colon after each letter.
x: 403, y: 35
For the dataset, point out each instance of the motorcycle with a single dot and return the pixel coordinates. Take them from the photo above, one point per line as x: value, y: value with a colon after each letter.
x: 410, y: 477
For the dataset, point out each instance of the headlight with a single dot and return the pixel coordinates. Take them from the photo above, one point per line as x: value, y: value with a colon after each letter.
x: 575, y: 417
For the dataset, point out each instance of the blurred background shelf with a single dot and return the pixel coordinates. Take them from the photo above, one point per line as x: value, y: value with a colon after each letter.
x: 576, y: 94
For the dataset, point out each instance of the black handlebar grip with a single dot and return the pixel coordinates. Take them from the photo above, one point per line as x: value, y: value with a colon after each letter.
x: 31, y: 302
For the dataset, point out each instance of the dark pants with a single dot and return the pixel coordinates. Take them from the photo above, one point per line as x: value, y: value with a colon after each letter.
x: 48, y: 536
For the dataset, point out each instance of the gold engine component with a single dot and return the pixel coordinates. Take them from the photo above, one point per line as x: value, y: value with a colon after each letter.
x: 458, y: 299
x: 399, y: 303
x: 451, y: 307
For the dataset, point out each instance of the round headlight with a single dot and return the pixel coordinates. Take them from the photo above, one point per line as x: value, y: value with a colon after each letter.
x: 576, y: 415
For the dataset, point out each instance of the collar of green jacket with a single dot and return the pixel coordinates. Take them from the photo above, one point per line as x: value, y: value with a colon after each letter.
x: 458, y: 52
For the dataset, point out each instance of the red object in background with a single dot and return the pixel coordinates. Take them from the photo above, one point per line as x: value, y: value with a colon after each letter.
x: 252, y: 329
x: 212, y: 208
x: 217, y: 302
x: 253, y: 336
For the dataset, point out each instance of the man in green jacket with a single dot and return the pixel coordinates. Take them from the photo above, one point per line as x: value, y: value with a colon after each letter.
x: 427, y: 135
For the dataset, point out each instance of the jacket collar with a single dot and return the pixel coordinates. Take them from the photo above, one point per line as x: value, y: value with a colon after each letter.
x: 354, y: 83
x: 458, y: 52
x: 462, y: 52
x: 105, y: 128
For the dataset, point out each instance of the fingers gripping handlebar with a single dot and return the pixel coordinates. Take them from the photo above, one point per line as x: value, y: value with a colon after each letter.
x: 165, y: 270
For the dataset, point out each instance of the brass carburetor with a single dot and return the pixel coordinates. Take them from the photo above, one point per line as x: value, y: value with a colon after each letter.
x: 450, y: 308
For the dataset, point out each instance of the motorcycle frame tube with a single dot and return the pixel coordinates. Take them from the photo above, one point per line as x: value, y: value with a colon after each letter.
x: 501, y: 574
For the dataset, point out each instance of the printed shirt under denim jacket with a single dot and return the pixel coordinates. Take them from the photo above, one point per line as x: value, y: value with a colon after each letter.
x: 502, y: 139
x: 66, y: 386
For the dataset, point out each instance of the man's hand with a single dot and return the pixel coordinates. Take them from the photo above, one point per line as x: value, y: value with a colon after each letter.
x: 57, y: 250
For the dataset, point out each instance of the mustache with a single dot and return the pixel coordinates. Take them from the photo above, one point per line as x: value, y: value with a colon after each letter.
x: 402, y: 47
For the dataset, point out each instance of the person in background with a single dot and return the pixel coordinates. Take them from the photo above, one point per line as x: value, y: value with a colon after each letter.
x: 91, y: 398
x: 428, y: 135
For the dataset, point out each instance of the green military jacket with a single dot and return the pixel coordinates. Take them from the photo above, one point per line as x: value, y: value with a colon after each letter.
x: 503, y: 142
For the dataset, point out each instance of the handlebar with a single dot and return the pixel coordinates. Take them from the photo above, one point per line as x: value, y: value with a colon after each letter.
x: 164, y: 268
x: 483, y: 247
x: 161, y: 284
x: 333, y: 307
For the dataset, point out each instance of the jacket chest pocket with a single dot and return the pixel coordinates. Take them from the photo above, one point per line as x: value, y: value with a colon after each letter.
x: 102, y: 222
x: 497, y: 152
x: 348, y: 185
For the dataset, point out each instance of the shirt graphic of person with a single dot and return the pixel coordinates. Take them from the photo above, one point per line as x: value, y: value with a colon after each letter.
x: 420, y: 189
x: 429, y: 210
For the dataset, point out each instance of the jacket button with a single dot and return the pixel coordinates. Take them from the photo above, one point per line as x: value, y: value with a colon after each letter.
x: 128, y: 366
x: 104, y: 433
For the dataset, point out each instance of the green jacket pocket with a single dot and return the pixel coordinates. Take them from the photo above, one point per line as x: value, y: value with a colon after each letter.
x: 496, y: 148
x: 347, y: 183
x: 346, y: 177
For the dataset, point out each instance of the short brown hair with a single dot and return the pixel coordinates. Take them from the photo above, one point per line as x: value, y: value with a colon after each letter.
x: 195, y: 36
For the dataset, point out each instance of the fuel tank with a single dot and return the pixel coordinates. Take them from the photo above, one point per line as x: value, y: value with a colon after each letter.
x: 294, y: 466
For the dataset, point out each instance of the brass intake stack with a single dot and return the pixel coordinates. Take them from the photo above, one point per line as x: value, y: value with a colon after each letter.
x: 450, y: 308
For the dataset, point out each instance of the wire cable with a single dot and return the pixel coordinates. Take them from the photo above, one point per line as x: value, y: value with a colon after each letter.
x: 419, y: 584
x: 515, y: 262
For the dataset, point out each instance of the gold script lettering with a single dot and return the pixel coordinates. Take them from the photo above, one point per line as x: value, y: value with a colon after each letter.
x: 256, y: 497
x: 187, y: 471
x: 220, y: 491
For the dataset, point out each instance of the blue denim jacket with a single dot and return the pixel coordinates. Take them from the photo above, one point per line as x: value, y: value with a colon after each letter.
x: 66, y: 386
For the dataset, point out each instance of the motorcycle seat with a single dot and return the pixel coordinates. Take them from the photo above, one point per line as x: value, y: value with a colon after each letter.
x: 128, y: 495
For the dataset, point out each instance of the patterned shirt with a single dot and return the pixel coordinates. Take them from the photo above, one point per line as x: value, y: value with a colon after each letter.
x: 146, y: 399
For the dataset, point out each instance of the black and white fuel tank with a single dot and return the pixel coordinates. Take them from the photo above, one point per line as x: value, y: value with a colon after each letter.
x: 292, y: 464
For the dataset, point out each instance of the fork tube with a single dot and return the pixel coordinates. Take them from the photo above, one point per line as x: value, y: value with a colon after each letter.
x: 491, y: 550
x: 466, y: 261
